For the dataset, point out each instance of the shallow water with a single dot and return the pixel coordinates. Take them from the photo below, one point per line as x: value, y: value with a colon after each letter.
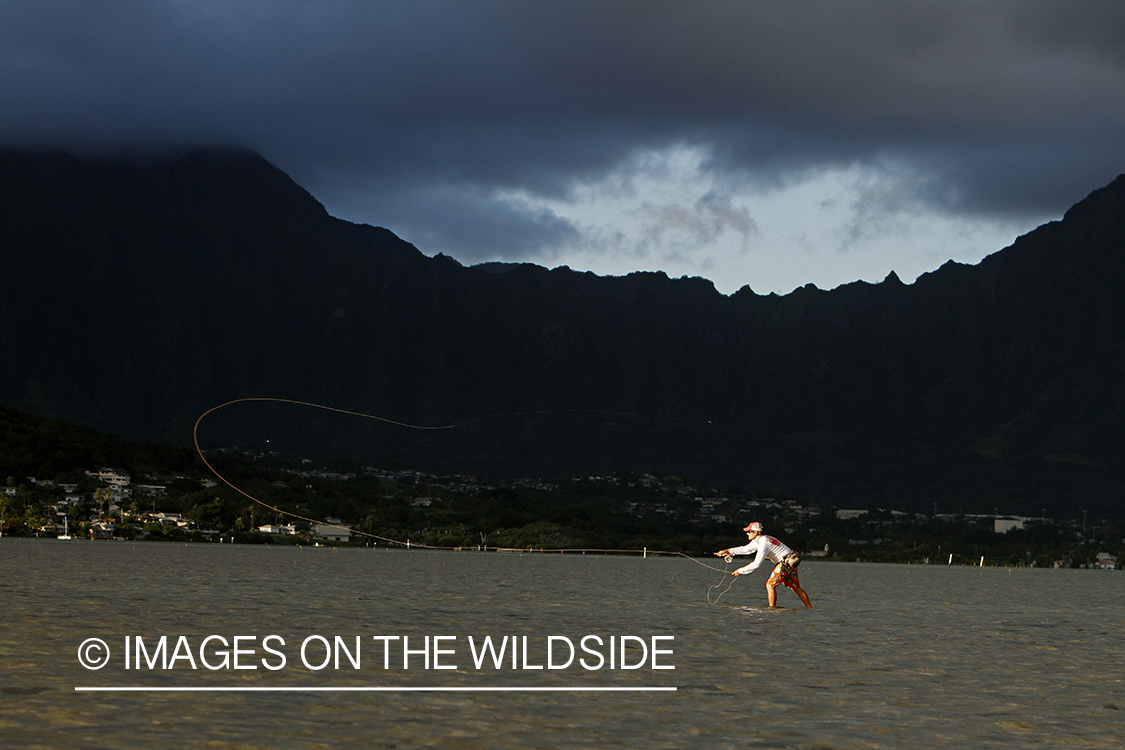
x: 889, y: 657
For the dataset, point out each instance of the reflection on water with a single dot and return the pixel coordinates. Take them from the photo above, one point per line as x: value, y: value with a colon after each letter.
x: 889, y: 657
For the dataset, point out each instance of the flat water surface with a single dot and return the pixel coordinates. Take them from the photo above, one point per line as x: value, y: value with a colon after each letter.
x: 889, y: 657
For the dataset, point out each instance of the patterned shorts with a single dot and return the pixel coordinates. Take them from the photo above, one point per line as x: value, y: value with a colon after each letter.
x: 784, y: 574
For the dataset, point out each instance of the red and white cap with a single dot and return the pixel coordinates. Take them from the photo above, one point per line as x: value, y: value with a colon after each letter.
x: 754, y: 526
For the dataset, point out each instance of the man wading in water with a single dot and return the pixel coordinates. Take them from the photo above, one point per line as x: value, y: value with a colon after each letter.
x: 768, y: 548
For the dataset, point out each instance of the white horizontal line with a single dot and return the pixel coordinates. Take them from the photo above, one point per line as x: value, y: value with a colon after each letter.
x: 368, y: 689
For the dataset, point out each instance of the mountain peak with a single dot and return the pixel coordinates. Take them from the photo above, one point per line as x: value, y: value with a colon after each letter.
x: 239, y: 173
x: 1108, y: 201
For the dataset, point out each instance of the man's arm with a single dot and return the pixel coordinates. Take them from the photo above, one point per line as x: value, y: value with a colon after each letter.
x: 747, y: 569
x: 743, y: 550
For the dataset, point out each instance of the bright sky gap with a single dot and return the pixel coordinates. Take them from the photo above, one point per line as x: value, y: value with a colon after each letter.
x: 768, y: 145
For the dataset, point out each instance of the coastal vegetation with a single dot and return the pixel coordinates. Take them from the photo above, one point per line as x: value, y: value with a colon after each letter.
x: 56, y: 476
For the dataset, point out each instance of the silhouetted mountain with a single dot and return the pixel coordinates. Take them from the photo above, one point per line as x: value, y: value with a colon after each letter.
x: 137, y: 297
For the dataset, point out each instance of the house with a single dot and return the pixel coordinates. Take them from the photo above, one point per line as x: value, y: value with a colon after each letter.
x: 333, y: 531
x: 110, y: 476
x: 167, y: 519
x: 1105, y: 561
x: 103, y: 530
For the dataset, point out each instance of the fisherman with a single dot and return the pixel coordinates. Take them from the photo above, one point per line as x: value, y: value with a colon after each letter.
x: 768, y: 548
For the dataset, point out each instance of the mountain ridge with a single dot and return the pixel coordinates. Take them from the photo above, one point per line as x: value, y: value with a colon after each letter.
x: 139, y: 297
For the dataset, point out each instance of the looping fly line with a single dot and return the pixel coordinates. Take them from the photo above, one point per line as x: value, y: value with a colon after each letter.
x: 239, y: 490
x: 727, y: 559
x: 408, y: 544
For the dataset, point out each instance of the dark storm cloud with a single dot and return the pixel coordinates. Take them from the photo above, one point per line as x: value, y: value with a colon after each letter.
x: 419, y: 112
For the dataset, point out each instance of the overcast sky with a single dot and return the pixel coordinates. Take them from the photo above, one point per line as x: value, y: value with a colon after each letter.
x: 769, y: 144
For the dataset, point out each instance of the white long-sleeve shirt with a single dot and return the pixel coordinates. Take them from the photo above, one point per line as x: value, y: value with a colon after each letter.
x: 766, y: 548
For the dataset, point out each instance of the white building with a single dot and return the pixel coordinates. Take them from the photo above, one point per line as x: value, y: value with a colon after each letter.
x: 1004, y: 525
x: 334, y: 532
x: 270, y: 528
x: 110, y: 476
